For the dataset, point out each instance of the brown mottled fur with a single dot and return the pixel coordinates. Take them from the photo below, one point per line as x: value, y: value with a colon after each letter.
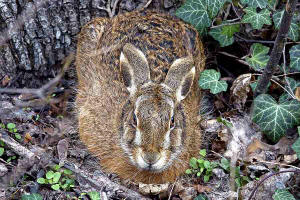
x: 102, y: 94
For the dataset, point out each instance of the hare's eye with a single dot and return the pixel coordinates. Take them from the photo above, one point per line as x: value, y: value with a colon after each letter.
x: 172, y: 125
x: 134, y: 120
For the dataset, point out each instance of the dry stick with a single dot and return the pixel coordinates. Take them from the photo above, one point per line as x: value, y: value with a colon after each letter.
x: 277, y: 49
x: 42, y: 91
x: 262, y: 180
x: 99, y: 184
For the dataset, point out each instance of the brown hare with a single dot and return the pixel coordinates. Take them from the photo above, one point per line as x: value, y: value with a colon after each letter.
x: 138, y: 98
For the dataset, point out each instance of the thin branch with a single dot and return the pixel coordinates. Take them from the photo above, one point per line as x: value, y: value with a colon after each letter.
x: 284, y: 71
x: 45, y: 89
x: 265, y: 178
x: 218, y: 26
x: 282, y: 87
x: 277, y: 49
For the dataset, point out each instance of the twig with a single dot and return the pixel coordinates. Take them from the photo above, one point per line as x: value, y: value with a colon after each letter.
x: 44, y: 90
x: 292, y: 73
x: 281, y: 164
x: 111, y: 12
x: 265, y: 178
x: 233, y: 56
x: 103, y: 181
x: 173, y: 185
x: 282, y: 87
x: 284, y: 65
x: 218, y: 26
x: 147, y: 4
x: 277, y: 49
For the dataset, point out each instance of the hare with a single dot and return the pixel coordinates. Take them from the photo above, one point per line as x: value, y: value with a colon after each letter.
x: 138, y: 98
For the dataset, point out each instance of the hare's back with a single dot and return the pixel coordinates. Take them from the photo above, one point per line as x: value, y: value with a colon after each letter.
x: 161, y: 37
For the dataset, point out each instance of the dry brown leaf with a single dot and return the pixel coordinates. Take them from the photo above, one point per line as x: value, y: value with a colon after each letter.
x: 239, y: 90
x: 297, y: 93
x: 202, y: 188
x: 27, y: 138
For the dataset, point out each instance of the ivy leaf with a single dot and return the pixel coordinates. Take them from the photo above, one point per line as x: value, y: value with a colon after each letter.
x: 283, y: 194
x: 195, y: 13
x: 33, y: 196
x: 94, y: 195
x: 229, y: 30
x: 255, y: 3
x: 296, y: 147
x: 294, y: 28
x: 214, y: 6
x: 293, y: 85
x: 1, y: 151
x: 223, y: 39
x: 273, y: 118
x: 259, y: 57
x: 295, y: 57
x: 257, y: 20
x: 201, y: 197
x: 209, y: 79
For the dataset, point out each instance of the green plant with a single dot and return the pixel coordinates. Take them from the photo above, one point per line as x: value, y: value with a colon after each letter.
x: 283, y: 194
x: 33, y: 196
x: 58, y: 179
x: 214, y: 17
x: 94, y: 195
x: 201, y: 166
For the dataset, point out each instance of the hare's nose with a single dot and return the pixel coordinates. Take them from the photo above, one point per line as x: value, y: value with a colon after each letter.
x: 151, y: 157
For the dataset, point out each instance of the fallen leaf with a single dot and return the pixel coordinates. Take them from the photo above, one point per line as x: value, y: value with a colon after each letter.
x: 239, y: 90
x: 62, y: 150
x: 27, y: 137
x: 297, y: 93
x: 202, y: 188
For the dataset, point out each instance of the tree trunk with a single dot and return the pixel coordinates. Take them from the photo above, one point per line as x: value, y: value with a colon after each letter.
x: 35, y: 35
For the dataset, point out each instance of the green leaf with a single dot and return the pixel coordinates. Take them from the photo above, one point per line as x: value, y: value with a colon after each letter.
x: 257, y: 20
x: 56, y: 177
x: 273, y: 118
x: 202, y: 152
x: 18, y: 136
x: 293, y: 85
x: 193, y: 163
x: 50, y: 174
x: 255, y: 3
x: 41, y: 180
x: 55, y: 187
x: 209, y: 79
x: 56, y: 167
x: 295, y: 57
x: 283, y: 194
x: 67, y: 172
x: 1, y: 151
x: 195, y: 13
x: 199, y: 173
x: 206, y: 164
x: 229, y: 30
x: 94, y: 195
x: 214, y: 6
x: 296, y: 147
x: 201, y: 197
x: 225, y: 164
x: 259, y: 57
x: 11, y: 126
x: 33, y: 196
x: 188, y: 171
x: 222, y: 38
x: 294, y: 27
x: 206, y: 178
x: 225, y: 122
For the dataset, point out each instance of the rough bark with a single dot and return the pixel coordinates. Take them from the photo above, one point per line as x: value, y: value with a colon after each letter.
x: 35, y: 35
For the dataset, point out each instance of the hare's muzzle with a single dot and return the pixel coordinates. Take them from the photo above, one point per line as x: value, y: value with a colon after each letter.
x: 151, y: 157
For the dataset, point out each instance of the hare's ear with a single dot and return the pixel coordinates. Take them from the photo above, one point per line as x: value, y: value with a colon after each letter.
x: 181, y: 76
x: 134, y: 67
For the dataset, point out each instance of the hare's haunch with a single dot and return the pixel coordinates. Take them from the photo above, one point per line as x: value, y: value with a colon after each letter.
x: 138, y: 98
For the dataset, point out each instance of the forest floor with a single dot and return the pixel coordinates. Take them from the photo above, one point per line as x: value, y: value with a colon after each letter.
x: 40, y: 150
